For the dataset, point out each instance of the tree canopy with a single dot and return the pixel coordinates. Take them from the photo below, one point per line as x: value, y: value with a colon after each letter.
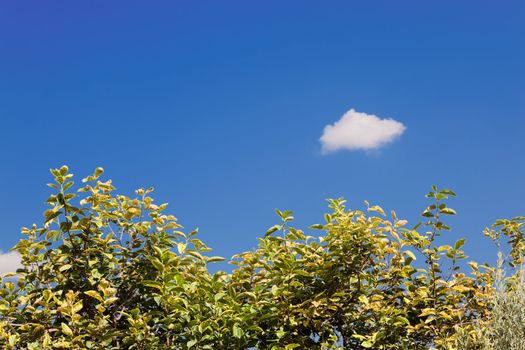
x: 108, y: 271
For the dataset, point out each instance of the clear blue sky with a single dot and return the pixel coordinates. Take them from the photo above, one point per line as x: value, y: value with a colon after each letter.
x: 220, y: 106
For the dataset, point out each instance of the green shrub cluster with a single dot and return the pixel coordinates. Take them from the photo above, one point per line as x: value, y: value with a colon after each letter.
x: 107, y: 271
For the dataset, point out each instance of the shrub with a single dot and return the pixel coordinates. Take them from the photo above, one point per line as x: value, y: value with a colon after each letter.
x: 503, y: 327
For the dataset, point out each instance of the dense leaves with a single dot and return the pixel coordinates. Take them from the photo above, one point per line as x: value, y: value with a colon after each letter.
x: 106, y: 271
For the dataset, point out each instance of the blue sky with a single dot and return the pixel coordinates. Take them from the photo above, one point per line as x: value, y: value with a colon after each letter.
x: 220, y: 106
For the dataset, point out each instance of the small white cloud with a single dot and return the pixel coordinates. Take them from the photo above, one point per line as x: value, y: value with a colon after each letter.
x: 360, y: 131
x: 9, y: 262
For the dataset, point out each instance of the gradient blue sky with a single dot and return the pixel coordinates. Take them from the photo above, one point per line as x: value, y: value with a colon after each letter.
x: 220, y: 106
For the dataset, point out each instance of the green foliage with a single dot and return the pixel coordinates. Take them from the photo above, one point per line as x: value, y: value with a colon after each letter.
x: 107, y: 271
x: 503, y: 325
x: 503, y: 328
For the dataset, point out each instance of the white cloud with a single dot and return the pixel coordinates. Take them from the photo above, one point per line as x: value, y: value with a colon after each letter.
x: 355, y: 131
x: 9, y: 262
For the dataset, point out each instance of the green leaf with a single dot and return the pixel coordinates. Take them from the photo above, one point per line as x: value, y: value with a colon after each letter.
x: 440, y: 195
x: 275, y: 290
x: 66, y: 330
x: 237, y: 331
x: 98, y: 171
x: 52, y: 235
x: 219, y: 296
x: 367, y: 344
x: 272, y: 230
x: 459, y: 243
x: 292, y: 346
x: 12, y: 340
x: 448, y: 211
x: 215, y: 259
x: 449, y: 192
x: 159, y: 251
x: 443, y: 248
x: 65, y: 267
x: 402, y: 319
x: 181, y: 247
x: 378, y: 209
x: 50, y: 214
x: 416, y: 226
x: 317, y: 227
x: 427, y: 214
x: 158, y: 264
x: 153, y: 284
x: 410, y: 254
x: 94, y: 294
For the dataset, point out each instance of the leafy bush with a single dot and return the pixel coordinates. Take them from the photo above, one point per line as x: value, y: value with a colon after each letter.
x: 106, y: 271
x: 504, y: 326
